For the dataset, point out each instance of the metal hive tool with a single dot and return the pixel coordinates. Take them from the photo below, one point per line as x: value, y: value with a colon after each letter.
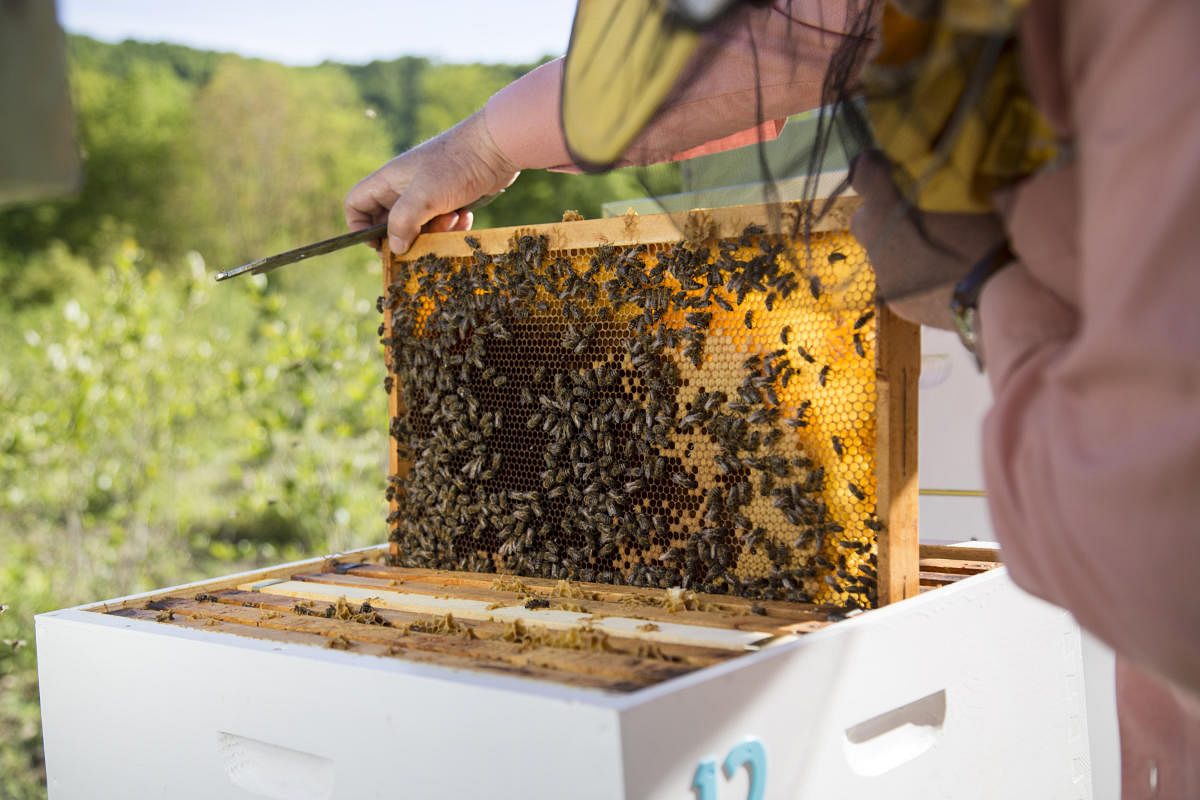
x: 646, y: 411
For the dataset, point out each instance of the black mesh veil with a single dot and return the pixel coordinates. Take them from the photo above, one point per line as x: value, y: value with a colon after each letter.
x: 835, y: 128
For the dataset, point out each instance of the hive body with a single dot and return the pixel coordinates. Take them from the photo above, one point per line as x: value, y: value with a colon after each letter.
x: 653, y: 401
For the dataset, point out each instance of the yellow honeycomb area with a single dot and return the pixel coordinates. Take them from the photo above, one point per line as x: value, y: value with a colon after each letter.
x: 550, y: 426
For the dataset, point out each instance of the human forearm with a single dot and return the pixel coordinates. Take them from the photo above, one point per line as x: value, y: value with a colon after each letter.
x: 523, y: 119
x: 761, y: 68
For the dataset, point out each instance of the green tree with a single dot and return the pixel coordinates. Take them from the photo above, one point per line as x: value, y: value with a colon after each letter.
x: 270, y: 155
x: 392, y: 90
x: 129, y: 128
x: 192, y: 66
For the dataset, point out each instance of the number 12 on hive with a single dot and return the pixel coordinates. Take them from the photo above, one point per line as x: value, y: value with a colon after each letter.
x: 749, y: 752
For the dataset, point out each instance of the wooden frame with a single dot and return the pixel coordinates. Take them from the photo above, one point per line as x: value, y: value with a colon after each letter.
x: 897, y: 354
x: 896, y: 374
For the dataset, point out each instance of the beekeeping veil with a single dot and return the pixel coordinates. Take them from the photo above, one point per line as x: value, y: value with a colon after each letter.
x: 934, y: 84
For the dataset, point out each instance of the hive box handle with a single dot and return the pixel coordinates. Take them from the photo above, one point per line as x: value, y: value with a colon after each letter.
x: 884, y: 742
x: 269, y: 770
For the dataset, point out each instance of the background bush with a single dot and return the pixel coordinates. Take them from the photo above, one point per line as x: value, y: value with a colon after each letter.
x: 157, y: 431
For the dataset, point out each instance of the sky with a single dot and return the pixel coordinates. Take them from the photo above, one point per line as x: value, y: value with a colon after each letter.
x: 304, y: 32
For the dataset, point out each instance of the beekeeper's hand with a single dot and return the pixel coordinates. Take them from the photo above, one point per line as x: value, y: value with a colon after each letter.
x: 917, y: 261
x: 426, y: 188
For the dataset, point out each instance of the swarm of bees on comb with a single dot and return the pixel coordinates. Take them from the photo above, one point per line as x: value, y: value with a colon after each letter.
x: 696, y: 415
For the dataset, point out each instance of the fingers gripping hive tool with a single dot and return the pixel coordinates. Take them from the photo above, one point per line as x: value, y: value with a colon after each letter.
x: 328, y: 245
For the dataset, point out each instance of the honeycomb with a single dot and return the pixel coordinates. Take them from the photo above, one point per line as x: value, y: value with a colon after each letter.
x: 668, y: 414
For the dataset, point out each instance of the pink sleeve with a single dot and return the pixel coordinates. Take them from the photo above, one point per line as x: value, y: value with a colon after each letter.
x: 1092, y: 450
x: 716, y: 111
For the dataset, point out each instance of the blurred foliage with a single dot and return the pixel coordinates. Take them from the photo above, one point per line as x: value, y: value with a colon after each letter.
x: 300, y: 140
x: 157, y: 427
x: 193, y: 66
x: 391, y: 90
x: 129, y: 128
x: 157, y: 431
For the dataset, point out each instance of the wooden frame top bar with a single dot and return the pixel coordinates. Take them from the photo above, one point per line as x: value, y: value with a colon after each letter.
x: 697, y: 224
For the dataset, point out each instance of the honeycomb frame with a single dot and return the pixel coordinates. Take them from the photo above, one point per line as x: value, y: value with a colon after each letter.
x: 880, y: 356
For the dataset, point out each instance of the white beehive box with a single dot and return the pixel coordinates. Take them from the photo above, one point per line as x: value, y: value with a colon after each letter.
x: 970, y: 690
